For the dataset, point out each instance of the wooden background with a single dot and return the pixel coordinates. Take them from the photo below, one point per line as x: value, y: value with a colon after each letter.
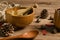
x: 32, y: 1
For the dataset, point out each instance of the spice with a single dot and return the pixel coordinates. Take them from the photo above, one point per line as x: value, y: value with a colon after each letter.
x: 44, y: 14
x: 6, y: 29
x: 37, y: 21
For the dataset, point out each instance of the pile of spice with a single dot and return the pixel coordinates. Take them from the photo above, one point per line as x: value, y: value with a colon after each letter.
x: 6, y: 29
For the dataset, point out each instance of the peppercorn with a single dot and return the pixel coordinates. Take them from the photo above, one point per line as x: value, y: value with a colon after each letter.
x: 6, y: 29
x: 37, y: 21
x: 50, y: 18
x: 44, y: 14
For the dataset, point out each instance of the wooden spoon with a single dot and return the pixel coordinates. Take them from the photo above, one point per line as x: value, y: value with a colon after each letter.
x: 27, y: 35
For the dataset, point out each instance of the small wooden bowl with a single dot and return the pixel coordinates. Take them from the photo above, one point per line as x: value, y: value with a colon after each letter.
x: 20, y: 21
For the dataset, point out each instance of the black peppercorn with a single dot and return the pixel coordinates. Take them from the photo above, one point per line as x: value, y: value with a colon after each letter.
x: 50, y: 18
x: 37, y: 21
x: 44, y: 14
x: 6, y: 29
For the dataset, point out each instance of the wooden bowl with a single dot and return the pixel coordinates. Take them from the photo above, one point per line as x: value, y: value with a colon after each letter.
x: 20, y: 21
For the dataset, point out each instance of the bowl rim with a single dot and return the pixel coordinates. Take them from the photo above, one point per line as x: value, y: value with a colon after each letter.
x: 15, y: 15
x: 21, y: 16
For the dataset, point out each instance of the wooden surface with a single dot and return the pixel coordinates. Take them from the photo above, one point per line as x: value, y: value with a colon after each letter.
x: 51, y: 10
x: 49, y: 36
x: 32, y: 26
x: 33, y: 1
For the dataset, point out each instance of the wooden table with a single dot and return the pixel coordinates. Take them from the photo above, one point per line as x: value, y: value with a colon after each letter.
x: 32, y: 26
